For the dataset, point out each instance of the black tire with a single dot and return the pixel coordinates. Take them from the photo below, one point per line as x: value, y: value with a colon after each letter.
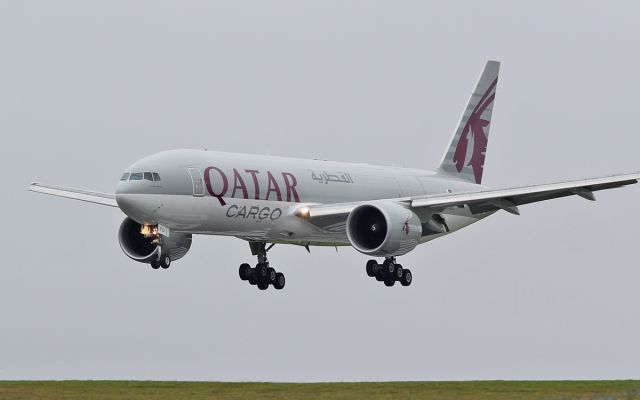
x: 165, y: 261
x: 271, y: 275
x: 252, y: 280
x: 407, y: 278
x: 244, y: 271
x: 155, y: 265
x: 263, y: 286
x: 280, y: 281
x: 261, y: 272
x: 389, y: 283
x: 388, y: 267
x: 372, y: 267
x: 398, y: 272
x: 380, y: 276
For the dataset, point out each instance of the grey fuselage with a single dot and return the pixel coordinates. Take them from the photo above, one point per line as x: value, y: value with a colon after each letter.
x: 253, y: 196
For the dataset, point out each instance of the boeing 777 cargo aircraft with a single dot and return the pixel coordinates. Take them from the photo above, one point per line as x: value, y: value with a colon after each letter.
x: 381, y: 211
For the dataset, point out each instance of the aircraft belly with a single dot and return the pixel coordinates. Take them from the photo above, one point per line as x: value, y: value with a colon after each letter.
x: 205, y: 215
x: 251, y: 219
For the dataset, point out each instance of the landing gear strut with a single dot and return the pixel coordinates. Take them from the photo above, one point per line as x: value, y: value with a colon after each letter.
x: 262, y: 275
x: 389, y: 272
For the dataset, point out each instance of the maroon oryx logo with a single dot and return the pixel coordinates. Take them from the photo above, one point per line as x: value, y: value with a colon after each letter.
x: 475, y: 126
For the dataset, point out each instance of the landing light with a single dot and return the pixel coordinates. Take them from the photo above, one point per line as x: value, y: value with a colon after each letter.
x: 149, y: 231
x: 302, y: 212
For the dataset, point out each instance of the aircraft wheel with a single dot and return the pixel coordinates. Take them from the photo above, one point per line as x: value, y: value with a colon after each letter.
x: 261, y: 271
x: 279, y: 283
x: 244, y: 271
x: 407, y: 278
x: 155, y: 265
x: 389, y: 283
x: 380, y: 276
x: 372, y: 266
x: 252, y: 280
x: 165, y: 261
x: 263, y: 286
x: 388, y: 267
x: 398, y: 271
x: 271, y: 275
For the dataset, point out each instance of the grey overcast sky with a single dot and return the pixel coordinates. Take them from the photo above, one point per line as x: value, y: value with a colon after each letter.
x: 87, y: 88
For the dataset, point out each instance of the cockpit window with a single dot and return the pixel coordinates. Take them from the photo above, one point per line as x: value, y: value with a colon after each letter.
x: 138, y: 176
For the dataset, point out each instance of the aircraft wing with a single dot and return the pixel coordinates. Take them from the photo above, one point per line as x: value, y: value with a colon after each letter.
x: 105, y: 199
x: 509, y: 199
x: 323, y: 215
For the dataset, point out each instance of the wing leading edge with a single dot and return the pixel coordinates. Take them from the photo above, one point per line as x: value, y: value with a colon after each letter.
x: 105, y: 199
x: 481, y: 201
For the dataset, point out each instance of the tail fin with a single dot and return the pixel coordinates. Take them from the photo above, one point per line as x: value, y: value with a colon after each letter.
x: 465, y: 156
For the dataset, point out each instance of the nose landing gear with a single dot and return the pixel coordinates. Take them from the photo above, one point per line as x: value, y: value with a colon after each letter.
x: 163, y: 262
x: 262, y: 275
x: 389, y: 272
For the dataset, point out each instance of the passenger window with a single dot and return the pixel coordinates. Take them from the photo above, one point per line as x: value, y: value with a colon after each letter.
x: 136, y: 176
x: 125, y: 176
x: 156, y: 177
x: 148, y: 176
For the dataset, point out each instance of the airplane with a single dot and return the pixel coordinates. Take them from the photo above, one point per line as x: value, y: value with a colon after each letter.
x: 382, y: 212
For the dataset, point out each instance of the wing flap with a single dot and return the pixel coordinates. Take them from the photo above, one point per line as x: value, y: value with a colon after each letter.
x: 105, y: 199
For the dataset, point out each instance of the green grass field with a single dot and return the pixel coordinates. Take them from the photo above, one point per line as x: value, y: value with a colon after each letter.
x: 133, y: 390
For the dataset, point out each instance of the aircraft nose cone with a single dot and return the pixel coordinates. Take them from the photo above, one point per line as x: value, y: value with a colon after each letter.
x: 136, y: 206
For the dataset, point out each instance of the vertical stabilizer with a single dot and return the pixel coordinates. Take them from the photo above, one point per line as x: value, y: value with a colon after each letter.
x: 465, y: 156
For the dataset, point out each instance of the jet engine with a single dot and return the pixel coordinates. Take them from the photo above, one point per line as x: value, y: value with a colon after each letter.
x: 383, y: 228
x: 143, y: 243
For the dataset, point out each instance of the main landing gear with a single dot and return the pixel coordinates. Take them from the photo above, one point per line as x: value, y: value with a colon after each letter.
x: 262, y: 275
x: 389, y: 272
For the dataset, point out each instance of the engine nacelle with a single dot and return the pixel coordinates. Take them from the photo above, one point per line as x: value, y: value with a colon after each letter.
x: 383, y: 228
x: 144, y: 244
